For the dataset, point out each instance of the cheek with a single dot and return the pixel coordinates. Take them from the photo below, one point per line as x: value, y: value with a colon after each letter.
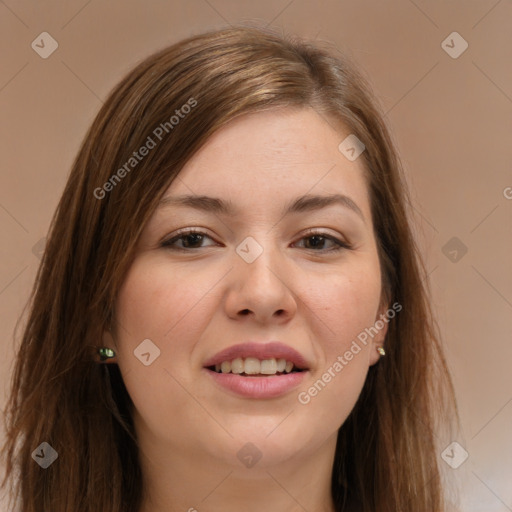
x: 347, y: 305
x: 167, y: 307
x: 162, y: 305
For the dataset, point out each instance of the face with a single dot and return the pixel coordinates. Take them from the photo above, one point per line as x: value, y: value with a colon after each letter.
x: 273, y: 278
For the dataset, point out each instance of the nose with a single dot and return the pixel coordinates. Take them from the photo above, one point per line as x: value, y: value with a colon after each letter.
x: 261, y: 290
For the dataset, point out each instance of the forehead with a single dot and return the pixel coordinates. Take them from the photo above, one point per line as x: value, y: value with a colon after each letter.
x: 268, y: 157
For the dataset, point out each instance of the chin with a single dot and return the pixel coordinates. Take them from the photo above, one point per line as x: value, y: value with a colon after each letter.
x: 263, y: 447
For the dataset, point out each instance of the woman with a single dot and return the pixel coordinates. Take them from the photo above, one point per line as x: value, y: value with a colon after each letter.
x: 230, y: 312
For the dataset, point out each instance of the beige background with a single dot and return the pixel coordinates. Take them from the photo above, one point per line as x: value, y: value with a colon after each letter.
x: 451, y: 118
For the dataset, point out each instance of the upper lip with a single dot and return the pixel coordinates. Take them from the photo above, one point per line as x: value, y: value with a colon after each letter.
x: 272, y: 349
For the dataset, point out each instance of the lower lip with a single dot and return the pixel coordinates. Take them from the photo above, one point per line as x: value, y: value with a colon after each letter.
x: 258, y: 387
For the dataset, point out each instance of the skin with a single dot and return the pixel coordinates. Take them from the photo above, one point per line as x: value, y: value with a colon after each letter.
x: 195, y: 302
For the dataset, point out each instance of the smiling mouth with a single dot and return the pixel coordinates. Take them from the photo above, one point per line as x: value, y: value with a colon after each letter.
x: 253, y: 367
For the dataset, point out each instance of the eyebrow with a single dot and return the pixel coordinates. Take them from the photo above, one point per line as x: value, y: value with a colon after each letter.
x: 306, y: 203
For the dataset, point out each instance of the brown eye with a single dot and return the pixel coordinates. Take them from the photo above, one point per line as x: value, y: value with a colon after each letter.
x: 317, y: 243
x: 189, y: 240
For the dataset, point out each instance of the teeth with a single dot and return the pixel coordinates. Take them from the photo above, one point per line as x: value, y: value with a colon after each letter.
x: 253, y: 366
x: 268, y: 367
x: 237, y: 365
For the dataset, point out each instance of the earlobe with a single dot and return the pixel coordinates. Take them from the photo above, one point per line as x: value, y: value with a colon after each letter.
x: 378, y: 341
x: 376, y: 354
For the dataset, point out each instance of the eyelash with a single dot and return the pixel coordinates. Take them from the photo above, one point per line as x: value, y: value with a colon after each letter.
x: 340, y: 245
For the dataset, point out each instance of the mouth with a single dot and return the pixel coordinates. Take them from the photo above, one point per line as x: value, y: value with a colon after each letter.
x: 257, y: 370
x: 254, y: 367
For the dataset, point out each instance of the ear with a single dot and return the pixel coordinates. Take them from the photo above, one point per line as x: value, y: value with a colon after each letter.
x: 107, y: 341
x: 381, y: 327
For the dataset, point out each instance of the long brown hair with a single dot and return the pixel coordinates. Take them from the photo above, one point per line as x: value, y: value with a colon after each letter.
x: 385, y: 458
